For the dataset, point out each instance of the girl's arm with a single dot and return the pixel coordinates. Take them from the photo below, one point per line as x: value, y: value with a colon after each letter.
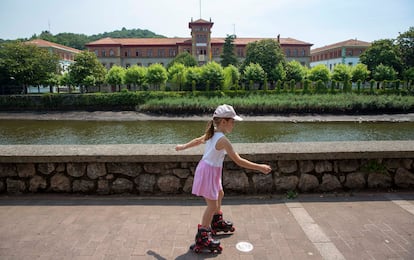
x: 192, y: 143
x: 224, y: 143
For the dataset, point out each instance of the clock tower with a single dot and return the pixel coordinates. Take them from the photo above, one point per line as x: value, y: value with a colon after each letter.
x: 201, y: 40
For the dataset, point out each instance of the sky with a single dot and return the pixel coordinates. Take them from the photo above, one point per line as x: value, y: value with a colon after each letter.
x: 319, y: 22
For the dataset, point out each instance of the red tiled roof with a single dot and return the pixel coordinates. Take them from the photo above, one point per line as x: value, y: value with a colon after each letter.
x: 43, y: 43
x: 347, y: 43
x: 174, y: 41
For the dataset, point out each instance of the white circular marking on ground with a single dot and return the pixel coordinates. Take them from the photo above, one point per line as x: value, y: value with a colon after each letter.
x: 244, y: 246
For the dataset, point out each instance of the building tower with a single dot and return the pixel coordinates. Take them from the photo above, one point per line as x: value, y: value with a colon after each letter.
x: 201, y: 40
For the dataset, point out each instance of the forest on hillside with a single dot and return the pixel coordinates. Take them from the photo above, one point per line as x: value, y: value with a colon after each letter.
x: 78, y: 41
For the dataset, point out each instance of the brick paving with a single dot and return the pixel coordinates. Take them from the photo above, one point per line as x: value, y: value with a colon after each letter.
x: 362, y: 226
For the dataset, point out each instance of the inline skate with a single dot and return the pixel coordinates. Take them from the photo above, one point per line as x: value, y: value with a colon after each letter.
x: 218, y: 224
x: 204, y: 241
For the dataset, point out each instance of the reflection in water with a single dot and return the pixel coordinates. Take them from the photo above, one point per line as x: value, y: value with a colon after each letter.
x: 171, y: 132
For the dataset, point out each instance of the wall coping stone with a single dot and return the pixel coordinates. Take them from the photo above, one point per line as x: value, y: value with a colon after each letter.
x: 167, y: 153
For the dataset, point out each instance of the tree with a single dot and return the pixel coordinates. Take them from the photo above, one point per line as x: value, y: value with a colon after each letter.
x: 229, y: 56
x: 254, y: 73
x: 176, y: 75
x: 184, y: 58
x: 266, y: 52
x: 135, y: 75
x: 319, y: 72
x: 27, y: 64
x: 383, y: 72
x: 231, y: 77
x: 86, y: 64
x: 360, y: 72
x: 278, y: 73
x: 193, y: 78
x: 405, y: 44
x: 156, y: 75
x: 382, y: 52
x: 116, y: 76
x: 294, y: 71
x: 212, y: 75
x: 342, y: 73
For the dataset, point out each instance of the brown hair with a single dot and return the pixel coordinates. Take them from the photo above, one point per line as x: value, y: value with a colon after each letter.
x: 211, y: 126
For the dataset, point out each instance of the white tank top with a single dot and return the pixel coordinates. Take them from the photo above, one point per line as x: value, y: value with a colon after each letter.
x: 211, y: 155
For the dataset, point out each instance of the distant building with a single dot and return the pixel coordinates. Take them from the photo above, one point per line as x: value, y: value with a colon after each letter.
x: 346, y: 52
x: 66, y: 54
x: 126, y: 52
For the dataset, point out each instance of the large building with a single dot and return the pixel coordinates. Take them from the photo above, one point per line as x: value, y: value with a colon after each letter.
x: 126, y: 52
x: 346, y: 52
x: 66, y: 54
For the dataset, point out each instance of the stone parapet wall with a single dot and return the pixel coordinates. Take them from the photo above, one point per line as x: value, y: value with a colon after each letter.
x: 160, y: 170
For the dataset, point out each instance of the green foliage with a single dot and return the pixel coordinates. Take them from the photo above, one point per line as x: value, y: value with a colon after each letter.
x: 342, y: 73
x: 228, y: 57
x: 405, y: 45
x: 382, y: 52
x: 267, y: 53
x: 295, y: 71
x: 231, y: 77
x: 277, y: 73
x: 254, y: 73
x: 319, y: 72
x: 176, y: 75
x: 27, y: 64
x: 383, y: 72
x: 193, y: 78
x: 115, y: 75
x: 213, y: 75
x: 86, y: 64
x: 291, y: 194
x: 375, y: 167
x: 184, y: 58
x: 156, y: 76
x: 360, y: 72
x: 136, y: 75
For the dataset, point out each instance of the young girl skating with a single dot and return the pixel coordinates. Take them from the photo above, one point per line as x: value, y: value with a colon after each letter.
x: 207, y: 178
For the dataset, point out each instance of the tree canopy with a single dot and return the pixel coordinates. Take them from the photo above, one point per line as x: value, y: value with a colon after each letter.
x: 228, y: 57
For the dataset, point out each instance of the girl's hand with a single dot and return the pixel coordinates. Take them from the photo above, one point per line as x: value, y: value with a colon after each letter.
x: 264, y: 168
x: 179, y: 147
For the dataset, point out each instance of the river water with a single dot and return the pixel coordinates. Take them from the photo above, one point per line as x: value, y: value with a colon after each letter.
x: 172, y: 132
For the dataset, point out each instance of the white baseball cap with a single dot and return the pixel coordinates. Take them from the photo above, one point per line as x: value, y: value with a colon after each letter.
x: 226, y: 111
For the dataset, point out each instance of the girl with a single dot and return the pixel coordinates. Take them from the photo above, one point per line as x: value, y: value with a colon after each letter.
x: 207, y: 177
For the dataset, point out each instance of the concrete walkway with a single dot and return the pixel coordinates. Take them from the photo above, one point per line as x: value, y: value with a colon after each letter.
x: 362, y: 226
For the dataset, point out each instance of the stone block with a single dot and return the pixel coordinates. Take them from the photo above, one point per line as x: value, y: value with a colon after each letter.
x: 323, y: 167
x: 25, y: 170
x: 60, y: 183
x: 262, y: 183
x: 76, y: 169
x: 122, y: 185
x: 127, y: 169
x: 306, y: 166
x: 37, y: 183
x: 83, y: 186
x: 169, y: 184
x: 330, y: 183
x: 145, y: 182
x: 355, y: 180
x: 404, y: 178
x: 95, y: 170
x: 286, y: 183
x: 235, y: 181
x: 379, y: 180
x: 46, y: 168
x: 8, y: 170
x: 287, y: 166
x: 308, y: 183
x: 15, y: 186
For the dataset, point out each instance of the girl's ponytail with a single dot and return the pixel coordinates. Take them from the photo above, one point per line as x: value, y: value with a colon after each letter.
x: 209, y: 130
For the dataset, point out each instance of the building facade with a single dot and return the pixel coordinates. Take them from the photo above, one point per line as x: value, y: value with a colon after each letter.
x: 126, y: 52
x: 346, y: 52
x: 66, y: 54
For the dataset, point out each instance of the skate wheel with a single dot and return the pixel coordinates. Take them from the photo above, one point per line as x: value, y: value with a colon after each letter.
x: 197, y: 249
x: 232, y: 229
x: 219, y: 249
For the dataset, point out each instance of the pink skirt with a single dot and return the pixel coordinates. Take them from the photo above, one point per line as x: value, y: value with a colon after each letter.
x: 207, y: 181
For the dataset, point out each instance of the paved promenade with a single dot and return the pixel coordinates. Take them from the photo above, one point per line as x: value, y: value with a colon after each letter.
x: 362, y: 226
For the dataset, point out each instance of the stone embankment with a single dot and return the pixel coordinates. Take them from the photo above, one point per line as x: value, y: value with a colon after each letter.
x: 160, y: 170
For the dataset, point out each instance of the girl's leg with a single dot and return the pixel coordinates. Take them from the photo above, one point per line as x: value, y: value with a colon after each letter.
x: 220, y: 198
x: 209, y: 212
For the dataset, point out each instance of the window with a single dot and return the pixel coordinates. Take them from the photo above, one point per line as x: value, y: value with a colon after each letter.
x: 149, y: 53
x: 288, y: 53
x: 96, y: 53
x: 240, y: 52
x: 160, y: 52
x: 172, y: 52
x: 295, y: 52
x: 103, y: 53
x: 137, y: 53
x: 303, y: 53
x: 111, y: 52
x: 216, y: 52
